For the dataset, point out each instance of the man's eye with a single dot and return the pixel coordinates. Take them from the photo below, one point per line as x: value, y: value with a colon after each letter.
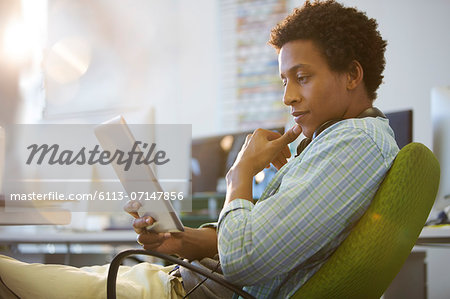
x: 284, y: 82
x: 302, y: 79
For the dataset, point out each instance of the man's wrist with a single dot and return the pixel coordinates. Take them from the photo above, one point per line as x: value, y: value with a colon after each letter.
x: 192, y: 237
x: 239, y: 183
x: 239, y: 172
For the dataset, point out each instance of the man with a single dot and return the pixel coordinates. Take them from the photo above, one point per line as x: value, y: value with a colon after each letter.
x: 330, y: 59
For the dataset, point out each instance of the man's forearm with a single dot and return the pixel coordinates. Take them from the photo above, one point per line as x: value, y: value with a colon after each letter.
x: 198, y: 243
x: 239, y: 184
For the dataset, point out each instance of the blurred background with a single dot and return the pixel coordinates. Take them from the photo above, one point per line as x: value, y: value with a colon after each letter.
x: 199, y: 62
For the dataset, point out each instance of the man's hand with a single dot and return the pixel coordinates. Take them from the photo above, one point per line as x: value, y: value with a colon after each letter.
x: 191, y: 244
x: 264, y: 147
x: 169, y: 243
x: 259, y: 150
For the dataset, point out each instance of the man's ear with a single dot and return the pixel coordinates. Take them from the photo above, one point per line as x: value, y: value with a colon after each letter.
x: 355, y: 75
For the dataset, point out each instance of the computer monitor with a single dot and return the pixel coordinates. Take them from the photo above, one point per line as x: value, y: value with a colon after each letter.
x: 401, y: 124
x: 213, y: 156
x: 440, y: 118
x: 208, y: 163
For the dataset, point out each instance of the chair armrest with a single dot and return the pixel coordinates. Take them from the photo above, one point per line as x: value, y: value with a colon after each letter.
x: 115, y: 263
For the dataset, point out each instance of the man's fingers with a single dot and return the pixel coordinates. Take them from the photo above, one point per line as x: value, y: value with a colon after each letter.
x: 139, y: 224
x: 153, y: 240
x: 290, y: 135
x: 131, y: 207
x: 282, y: 162
x: 151, y: 246
x: 279, y: 161
x: 247, y: 139
x: 143, y: 221
x: 276, y: 165
x: 286, y: 152
x: 270, y: 135
x: 134, y: 214
x: 149, y: 243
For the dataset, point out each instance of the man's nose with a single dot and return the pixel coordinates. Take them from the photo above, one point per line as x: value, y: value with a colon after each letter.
x: 291, y: 95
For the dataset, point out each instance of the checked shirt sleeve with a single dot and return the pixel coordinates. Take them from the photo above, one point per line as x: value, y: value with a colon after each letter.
x: 322, y: 193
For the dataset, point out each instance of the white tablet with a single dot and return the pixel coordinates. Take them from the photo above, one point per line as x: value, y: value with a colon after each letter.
x: 115, y: 135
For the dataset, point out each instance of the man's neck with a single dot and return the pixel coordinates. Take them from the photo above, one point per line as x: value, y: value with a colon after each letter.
x: 359, y: 104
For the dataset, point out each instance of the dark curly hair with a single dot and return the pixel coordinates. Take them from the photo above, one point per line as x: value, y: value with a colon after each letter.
x: 343, y: 34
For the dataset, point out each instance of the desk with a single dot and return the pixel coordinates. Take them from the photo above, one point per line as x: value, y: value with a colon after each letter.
x: 70, y: 245
x: 32, y: 216
x: 435, y: 241
x: 424, y: 274
x: 127, y: 237
x: 434, y: 235
x: 28, y: 217
x: 429, y: 235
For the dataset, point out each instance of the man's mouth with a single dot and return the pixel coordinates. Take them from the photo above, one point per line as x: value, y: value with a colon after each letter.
x: 298, y: 115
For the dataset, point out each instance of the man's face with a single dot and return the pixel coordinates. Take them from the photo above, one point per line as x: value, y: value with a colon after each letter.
x: 315, y: 93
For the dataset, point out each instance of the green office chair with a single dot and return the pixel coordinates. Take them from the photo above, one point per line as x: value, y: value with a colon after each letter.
x: 367, y: 261
x: 365, y: 264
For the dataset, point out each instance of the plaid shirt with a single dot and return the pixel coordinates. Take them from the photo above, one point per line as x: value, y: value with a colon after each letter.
x: 307, y: 210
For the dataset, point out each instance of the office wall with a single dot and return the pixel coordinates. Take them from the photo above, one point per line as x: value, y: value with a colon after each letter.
x: 417, y: 59
x: 417, y: 56
x: 199, y: 67
x: 141, y: 55
x: 182, y: 69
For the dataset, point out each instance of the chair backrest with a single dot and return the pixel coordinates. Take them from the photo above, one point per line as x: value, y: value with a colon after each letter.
x: 367, y: 261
